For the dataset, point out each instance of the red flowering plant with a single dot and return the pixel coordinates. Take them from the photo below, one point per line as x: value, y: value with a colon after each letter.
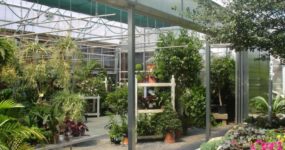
x: 75, y: 128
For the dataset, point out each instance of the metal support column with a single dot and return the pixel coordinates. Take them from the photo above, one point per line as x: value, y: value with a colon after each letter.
x: 237, y: 88
x: 131, y: 80
x: 208, y: 89
x: 271, y: 74
x: 241, y: 86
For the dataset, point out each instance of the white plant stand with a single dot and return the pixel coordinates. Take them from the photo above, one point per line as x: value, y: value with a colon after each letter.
x: 172, y: 85
x: 95, y: 112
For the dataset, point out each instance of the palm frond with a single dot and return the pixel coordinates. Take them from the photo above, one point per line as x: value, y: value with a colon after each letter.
x: 260, y: 104
x: 8, y: 104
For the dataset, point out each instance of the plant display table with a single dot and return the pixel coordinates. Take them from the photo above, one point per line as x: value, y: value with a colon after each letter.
x: 95, y: 99
x: 72, y: 141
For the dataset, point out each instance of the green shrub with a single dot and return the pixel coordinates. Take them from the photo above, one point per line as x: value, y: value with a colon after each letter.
x: 194, y: 105
x: 147, y: 125
x: 168, y: 120
x: 117, y: 101
x: 68, y: 104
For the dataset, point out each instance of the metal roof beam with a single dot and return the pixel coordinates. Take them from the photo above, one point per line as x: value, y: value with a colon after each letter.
x: 170, y: 11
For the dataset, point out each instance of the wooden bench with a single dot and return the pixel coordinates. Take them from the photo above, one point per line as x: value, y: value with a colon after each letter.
x: 223, y: 117
x: 69, y: 143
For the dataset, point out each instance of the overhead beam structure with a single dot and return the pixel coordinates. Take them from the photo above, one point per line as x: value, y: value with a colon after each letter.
x: 169, y: 11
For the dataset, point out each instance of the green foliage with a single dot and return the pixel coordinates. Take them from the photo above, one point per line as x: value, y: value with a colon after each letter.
x: 117, y: 128
x: 68, y: 104
x: 168, y: 120
x: 47, y: 68
x: 247, y: 25
x: 222, y: 79
x: 213, y: 144
x: 13, y: 133
x: 260, y: 105
x: 184, y: 63
x: 118, y: 100
x: 148, y: 125
x: 262, y: 122
x: 7, y: 49
x: 87, y: 83
x: 194, y: 106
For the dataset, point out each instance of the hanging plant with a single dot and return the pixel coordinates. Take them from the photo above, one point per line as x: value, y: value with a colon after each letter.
x: 7, y: 49
x: 33, y: 52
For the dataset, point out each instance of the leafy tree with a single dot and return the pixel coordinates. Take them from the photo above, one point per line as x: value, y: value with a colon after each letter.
x: 184, y: 63
x: 246, y: 24
x: 222, y: 78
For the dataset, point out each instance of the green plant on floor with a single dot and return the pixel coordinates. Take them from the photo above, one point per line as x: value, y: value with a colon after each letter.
x: 147, y: 125
x: 260, y: 105
x: 118, y: 100
x: 168, y: 120
x: 13, y: 133
x: 117, y: 128
x: 194, y: 107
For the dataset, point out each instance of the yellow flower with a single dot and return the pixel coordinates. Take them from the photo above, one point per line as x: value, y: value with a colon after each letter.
x: 278, y: 136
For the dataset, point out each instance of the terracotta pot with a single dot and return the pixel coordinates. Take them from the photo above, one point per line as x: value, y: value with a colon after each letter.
x: 125, y: 141
x: 151, y: 79
x: 169, y: 138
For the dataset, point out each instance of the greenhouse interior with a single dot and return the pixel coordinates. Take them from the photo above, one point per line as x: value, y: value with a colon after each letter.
x: 142, y: 74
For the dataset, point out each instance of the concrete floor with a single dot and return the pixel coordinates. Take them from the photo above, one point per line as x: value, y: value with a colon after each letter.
x: 193, y: 141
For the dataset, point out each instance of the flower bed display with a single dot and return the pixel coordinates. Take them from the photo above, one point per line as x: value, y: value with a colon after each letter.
x: 248, y: 137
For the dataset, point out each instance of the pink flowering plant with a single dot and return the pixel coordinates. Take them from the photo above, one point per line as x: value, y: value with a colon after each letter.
x: 262, y: 145
x: 274, y: 141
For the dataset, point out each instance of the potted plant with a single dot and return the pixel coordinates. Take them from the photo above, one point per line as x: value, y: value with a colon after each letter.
x: 116, y: 130
x: 169, y: 123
